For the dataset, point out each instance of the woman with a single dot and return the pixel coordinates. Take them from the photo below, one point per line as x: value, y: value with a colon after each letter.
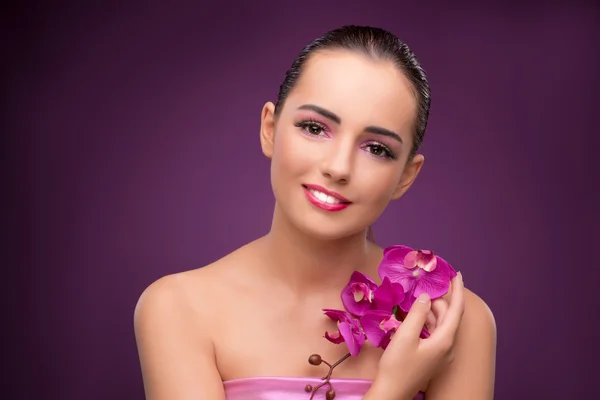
x: 343, y: 139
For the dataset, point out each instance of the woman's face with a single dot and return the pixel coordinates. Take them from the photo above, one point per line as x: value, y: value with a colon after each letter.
x: 340, y: 146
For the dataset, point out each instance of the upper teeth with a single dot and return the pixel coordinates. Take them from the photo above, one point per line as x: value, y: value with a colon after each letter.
x: 324, y: 198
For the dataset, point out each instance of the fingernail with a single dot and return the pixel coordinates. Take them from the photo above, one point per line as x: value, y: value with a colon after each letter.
x: 424, y: 298
x: 461, y: 277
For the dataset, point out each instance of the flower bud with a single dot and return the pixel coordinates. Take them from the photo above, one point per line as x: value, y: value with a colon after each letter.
x: 330, y: 395
x: 308, y: 388
x: 314, y: 359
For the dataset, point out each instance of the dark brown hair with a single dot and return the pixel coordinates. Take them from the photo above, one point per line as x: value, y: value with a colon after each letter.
x: 377, y: 43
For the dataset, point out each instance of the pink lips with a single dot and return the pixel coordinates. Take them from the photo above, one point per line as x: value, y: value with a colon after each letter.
x: 344, y: 203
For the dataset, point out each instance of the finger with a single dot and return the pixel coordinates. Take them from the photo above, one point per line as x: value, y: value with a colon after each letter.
x: 413, y: 323
x: 439, y: 307
x: 453, y: 315
x: 430, y: 320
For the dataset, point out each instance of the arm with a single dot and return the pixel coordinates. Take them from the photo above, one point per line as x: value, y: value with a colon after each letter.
x: 409, y: 362
x: 471, y: 373
x: 176, y: 354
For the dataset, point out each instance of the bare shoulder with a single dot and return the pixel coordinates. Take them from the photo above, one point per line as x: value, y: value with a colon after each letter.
x: 174, y: 322
x: 478, y: 319
x: 478, y: 324
x: 471, y: 375
x: 477, y: 315
x: 185, y: 294
x: 166, y: 299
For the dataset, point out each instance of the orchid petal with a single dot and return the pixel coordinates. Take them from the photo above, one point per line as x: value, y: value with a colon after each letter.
x: 387, y: 295
x: 411, y: 260
x: 354, y: 339
x: 435, y: 283
x: 409, y: 297
x: 349, y: 330
x: 336, y: 315
x: 358, y: 294
x: 390, y: 324
x: 398, y: 250
x: 393, y: 259
x: 360, y: 277
x: 426, y: 260
x: 405, y: 277
x: 335, y: 337
x: 371, y: 324
x: 446, y: 267
x: 360, y: 291
x: 433, y: 274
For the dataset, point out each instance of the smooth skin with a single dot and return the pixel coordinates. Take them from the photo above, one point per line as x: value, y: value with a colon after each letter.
x: 258, y: 310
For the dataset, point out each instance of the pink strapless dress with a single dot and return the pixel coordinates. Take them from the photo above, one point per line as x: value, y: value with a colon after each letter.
x: 292, y: 388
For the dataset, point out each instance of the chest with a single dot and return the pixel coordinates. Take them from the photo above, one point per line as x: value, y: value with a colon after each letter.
x: 276, y: 337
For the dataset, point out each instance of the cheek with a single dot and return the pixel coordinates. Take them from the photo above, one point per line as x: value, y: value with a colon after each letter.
x: 287, y: 164
x: 292, y: 156
x: 378, y: 185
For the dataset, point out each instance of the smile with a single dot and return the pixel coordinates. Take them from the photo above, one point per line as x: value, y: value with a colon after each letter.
x: 325, y: 199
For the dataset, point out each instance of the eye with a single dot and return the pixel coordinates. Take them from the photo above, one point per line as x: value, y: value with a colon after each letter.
x: 380, y: 150
x: 376, y: 149
x: 312, y: 128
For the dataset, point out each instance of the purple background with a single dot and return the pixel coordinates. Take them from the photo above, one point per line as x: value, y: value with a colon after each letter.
x: 133, y: 153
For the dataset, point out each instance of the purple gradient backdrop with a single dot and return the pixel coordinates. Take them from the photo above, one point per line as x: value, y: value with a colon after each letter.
x: 134, y: 153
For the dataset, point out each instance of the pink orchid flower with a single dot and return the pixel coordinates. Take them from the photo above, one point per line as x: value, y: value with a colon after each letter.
x: 418, y: 271
x: 384, y: 318
x: 349, y: 331
x: 379, y: 326
x: 382, y: 321
x: 359, y: 293
x: 387, y: 295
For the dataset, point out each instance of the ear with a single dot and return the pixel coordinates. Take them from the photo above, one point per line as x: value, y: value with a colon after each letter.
x: 409, y: 175
x: 267, y: 129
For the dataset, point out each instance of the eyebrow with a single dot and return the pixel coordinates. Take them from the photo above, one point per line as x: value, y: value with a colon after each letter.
x: 333, y: 117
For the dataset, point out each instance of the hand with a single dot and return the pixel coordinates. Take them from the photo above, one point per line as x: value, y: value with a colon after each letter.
x: 434, y: 317
x: 409, y: 362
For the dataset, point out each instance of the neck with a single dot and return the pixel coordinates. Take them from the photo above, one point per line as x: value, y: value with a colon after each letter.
x: 305, y: 263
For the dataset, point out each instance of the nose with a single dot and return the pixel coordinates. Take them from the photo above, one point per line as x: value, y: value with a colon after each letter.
x: 336, y: 164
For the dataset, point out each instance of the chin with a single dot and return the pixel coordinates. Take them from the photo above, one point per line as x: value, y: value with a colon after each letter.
x: 327, y: 229
x: 319, y: 223
x: 326, y: 235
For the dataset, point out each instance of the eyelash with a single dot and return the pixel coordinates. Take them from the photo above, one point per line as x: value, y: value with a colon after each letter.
x: 310, y: 123
x: 388, y: 153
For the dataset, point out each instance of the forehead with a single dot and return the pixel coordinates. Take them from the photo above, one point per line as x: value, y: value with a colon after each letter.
x: 360, y: 89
